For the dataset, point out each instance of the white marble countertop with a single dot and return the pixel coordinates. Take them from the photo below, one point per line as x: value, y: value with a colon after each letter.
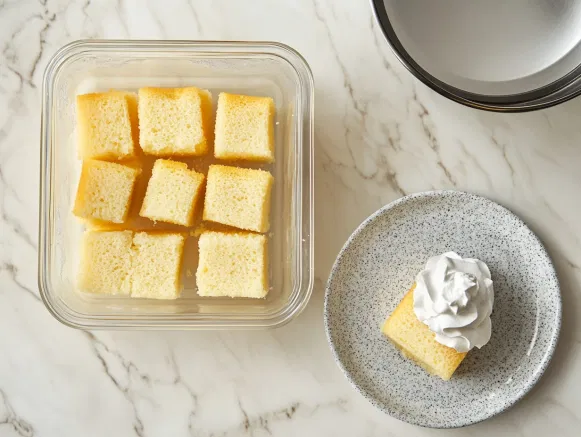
x: 379, y: 134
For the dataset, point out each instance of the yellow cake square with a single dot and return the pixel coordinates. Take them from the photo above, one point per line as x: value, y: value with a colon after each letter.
x: 105, y: 191
x: 417, y: 342
x: 105, y: 262
x: 244, y: 128
x: 238, y: 197
x: 232, y: 264
x: 172, y: 193
x: 156, y: 265
x: 107, y: 125
x: 175, y: 121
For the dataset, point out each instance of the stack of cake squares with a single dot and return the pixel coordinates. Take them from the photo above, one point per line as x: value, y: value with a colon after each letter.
x: 117, y: 133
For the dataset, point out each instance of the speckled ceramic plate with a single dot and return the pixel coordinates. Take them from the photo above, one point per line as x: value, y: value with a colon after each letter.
x: 378, y: 265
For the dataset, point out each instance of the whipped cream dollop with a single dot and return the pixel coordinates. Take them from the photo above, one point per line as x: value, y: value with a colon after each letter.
x: 454, y: 297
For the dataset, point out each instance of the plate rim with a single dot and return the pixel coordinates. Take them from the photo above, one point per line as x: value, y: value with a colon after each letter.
x: 543, y: 365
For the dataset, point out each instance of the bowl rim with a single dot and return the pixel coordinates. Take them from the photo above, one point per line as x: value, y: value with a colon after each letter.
x: 305, y: 176
x: 543, y: 365
x: 544, y: 97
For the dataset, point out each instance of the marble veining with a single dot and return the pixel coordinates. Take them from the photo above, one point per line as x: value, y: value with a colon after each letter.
x: 380, y: 134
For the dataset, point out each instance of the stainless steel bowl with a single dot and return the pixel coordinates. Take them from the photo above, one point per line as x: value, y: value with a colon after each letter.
x: 498, y: 55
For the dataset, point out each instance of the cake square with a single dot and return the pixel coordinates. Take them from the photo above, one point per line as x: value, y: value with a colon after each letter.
x: 105, y: 262
x: 105, y: 191
x: 232, y: 264
x: 107, y: 125
x: 417, y: 342
x: 238, y: 197
x: 172, y: 193
x: 156, y: 265
x: 244, y: 128
x: 175, y: 121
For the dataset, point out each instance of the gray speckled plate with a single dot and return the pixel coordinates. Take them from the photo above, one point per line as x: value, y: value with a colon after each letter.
x: 378, y: 265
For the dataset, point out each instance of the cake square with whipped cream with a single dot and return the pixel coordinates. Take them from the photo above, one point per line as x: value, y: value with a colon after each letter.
x: 417, y: 342
x: 444, y: 315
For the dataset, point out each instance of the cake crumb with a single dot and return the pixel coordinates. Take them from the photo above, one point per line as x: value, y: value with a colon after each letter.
x: 198, y: 231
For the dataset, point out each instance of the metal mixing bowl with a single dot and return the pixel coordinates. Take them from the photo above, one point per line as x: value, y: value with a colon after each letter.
x: 498, y: 55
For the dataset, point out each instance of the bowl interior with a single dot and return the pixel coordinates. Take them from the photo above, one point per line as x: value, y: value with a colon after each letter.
x: 491, y: 48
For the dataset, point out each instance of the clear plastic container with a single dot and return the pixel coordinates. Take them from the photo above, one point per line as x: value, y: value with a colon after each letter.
x: 259, y: 68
